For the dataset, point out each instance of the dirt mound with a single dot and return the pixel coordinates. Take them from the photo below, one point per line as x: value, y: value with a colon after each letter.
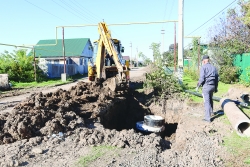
x: 79, y: 107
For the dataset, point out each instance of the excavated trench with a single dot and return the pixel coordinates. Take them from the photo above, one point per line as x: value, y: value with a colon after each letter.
x: 75, y: 110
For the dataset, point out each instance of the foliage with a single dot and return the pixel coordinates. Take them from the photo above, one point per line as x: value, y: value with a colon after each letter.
x: 246, y: 12
x: 18, y: 66
x: 146, y: 60
x: 158, y: 79
x: 162, y: 83
x: 229, y: 74
x: 194, y: 54
x: 230, y: 36
x: 168, y: 58
x: 192, y: 73
x: 231, y: 33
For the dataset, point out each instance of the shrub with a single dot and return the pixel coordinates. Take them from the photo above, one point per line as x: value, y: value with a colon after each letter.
x: 19, y: 66
x: 162, y: 82
x: 229, y: 74
x: 193, y: 74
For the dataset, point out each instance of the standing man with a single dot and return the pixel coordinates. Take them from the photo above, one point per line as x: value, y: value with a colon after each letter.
x: 209, y: 81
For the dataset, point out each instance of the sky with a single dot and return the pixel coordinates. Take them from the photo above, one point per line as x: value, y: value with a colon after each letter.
x: 25, y: 22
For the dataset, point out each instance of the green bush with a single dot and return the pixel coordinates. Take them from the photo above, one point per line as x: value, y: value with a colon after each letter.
x: 229, y: 74
x: 193, y: 74
x: 19, y: 67
x: 162, y: 82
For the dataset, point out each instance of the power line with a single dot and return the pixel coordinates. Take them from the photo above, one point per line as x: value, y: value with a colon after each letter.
x: 165, y: 10
x: 66, y: 9
x: 45, y: 10
x: 74, y: 9
x: 171, y: 10
x: 89, y: 13
x: 211, y: 18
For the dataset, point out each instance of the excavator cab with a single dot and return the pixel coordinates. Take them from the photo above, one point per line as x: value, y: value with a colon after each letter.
x: 108, y: 66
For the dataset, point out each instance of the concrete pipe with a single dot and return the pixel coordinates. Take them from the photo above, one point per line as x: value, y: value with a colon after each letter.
x: 239, y: 121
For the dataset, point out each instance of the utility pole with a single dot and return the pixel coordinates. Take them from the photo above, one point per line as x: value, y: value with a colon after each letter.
x: 63, y: 46
x: 131, y: 50
x: 63, y: 75
x: 162, y: 32
x: 174, y: 47
x: 34, y: 54
x: 199, y: 54
x: 180, y: 41
x: 137, y: 57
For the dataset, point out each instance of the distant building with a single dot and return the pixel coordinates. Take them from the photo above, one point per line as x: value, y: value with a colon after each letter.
x: 126, y: 58
x: 51, y: 60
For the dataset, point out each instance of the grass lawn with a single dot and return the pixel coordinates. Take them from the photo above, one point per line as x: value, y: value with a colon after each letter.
x: 49, y: 82
x: 192, y: 84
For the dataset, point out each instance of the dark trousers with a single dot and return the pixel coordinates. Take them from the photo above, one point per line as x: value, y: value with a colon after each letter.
x: 207, y: 92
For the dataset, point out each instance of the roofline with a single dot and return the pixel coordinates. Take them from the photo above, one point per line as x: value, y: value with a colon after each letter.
x: 56, y: 57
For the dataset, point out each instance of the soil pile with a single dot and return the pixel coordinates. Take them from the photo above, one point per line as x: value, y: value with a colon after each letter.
x: 57, y: 128
x: 65, y: 111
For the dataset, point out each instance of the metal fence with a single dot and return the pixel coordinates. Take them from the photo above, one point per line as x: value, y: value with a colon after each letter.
x: 243, y: 62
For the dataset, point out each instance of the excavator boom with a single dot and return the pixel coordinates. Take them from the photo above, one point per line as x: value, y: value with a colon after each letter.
x: 109, y: 68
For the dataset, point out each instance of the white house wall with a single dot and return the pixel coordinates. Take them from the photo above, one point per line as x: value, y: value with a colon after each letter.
x: 54, y: 69
x: 87, y: 51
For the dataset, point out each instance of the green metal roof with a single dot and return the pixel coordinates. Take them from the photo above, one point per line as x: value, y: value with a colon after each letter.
x: 73, y: 47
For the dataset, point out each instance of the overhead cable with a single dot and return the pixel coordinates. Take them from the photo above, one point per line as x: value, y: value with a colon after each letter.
x: 75, y: 10
x: 86, y: 11
x: 45, y: 10
x: 212, y: 18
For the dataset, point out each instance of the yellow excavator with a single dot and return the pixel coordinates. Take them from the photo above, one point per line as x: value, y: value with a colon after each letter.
x: 107, y: 65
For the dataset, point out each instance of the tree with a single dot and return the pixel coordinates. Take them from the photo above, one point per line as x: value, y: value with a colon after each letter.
x: 156, y: 53
x: 163, y: 83
x: 145, y: 59
x: 168, y: 58
x: 18, y: 65
x: 230, y: 36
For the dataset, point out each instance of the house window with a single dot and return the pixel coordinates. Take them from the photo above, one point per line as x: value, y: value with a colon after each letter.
x: 85, y: 62
x: 81, y: 61
x: 48, y: 61
x: 69, y: 61
x: 56, y: 61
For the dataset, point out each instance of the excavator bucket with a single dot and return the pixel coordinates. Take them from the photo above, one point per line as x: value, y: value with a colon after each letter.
x: 110, y: 83
x: 114, y: 85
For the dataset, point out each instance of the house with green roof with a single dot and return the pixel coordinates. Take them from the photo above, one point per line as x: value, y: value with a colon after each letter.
x: 78, y: 51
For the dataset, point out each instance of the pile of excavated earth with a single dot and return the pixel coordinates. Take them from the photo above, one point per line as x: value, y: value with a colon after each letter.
x: 58, y: 128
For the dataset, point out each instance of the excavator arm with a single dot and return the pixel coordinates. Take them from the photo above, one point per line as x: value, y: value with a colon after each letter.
x: 113, y: 76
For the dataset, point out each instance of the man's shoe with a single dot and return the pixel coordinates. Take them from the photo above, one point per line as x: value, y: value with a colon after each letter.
x: 206, y: 120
